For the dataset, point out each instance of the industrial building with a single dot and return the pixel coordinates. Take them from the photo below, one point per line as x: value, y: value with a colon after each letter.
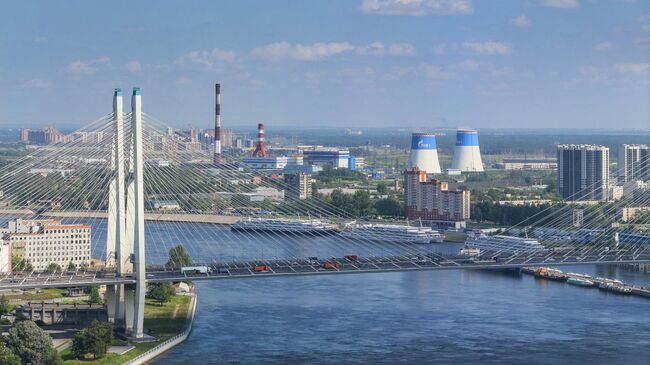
x: 46, y: 241
x: 271, y: 163
x: 432, y: 200
x: 424, y: 153
x: 583, y: 172
x: 298, y: 186
x: 526, y: 164
x: 467, y: 154
x: 633, y: 163
x: 337, y: 158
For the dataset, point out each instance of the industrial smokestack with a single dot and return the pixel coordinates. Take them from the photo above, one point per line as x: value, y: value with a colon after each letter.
x: 424, y: 153
x: 260, y: 148
x: 467, y: 155
x: 217, y: 124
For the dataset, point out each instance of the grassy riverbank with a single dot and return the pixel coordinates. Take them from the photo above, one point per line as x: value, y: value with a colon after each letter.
x: 163, y: 322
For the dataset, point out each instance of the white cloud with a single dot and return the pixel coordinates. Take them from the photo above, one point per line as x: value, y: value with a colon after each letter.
x: 416, y: 7
x: 632, y: 68
x: 88, y: 67
x: 36, y: 83
x: 134, y: 66
x: 284, y: 50
x: 521, y: 21
x: 380, y: 49
x: 603, y: 46
x: 566, y: 4
x: 645, y: 22
x: 207, y: 60
x: 439, y: 48
x: 488, y: 48
x: 317, y: 51
x: 429, y: 71
x: 469, y: 65
x: 183, y: 81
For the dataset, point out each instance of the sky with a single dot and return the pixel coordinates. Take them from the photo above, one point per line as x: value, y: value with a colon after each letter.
x: 415, y: 64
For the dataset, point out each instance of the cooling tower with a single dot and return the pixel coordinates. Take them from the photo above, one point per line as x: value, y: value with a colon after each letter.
x: 467, y: 155
x: 424, y: 153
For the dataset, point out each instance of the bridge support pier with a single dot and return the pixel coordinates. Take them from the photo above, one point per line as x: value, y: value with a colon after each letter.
x: 109, y: 296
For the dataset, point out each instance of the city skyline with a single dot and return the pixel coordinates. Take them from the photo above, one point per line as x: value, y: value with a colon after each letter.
x: 412, y: 64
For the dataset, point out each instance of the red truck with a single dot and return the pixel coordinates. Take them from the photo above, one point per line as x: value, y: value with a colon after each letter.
x: 351, y: 258
x: 261, y: 268
x: 332, y: 265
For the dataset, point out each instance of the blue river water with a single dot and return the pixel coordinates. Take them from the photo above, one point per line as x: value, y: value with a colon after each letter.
x: 438, y: 317
x: 434, y: 317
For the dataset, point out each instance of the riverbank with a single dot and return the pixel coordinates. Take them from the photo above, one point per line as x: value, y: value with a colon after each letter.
x: 167, y: 322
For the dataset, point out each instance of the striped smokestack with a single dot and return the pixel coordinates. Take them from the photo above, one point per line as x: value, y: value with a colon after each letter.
x: 217, y: 124
x: 260, y: 148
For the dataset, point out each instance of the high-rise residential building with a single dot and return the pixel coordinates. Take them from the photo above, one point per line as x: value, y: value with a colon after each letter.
x: 298, y: 185
x: 583, y: 172
x: 432, y: 200
x: 46, y: 241
x: 633, y: 163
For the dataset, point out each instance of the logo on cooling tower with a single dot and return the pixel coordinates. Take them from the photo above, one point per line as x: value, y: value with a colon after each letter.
x: 423, y: 142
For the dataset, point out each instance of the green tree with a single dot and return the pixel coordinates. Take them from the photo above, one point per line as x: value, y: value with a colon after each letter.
x: 382, y: 188
x: 389, y: 207
x: 71, y: 267
x: 93, y: 296
x: 53, y: 358
x: 20, y: 264
x: 53, y: 267
x: 7, y: 357
x: 80, y: 345
x: 178, y: 256
x: 29, y: 342
x: 161, y: 292
x: 95, y: 340
x: 4, y: 305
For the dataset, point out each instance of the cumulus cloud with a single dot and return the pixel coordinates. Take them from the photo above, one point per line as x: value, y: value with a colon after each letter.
x: 439, y: 48
x: 416, y: 7
x: 429, y: 71
x: 88, y: 67
x: 318, y: 51
x: 284, y: 50
x: 520, y: 21
x: 488, y: 48
x: 207, y: 60
x: 632, y: 68
x: 380, y: 49
x: 469, y: 65
x: 134, y: 66
x: 603, y: 46
x: 36, y: 83
x: 566, y: 4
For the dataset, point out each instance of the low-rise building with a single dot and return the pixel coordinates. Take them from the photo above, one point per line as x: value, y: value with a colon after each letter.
x: 45, y: 241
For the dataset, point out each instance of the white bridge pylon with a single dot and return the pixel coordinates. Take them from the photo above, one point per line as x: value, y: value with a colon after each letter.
x: 125, y: 228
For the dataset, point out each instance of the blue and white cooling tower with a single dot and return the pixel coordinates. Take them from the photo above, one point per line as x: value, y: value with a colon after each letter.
x: 424, y: 153
x: 467, y: 155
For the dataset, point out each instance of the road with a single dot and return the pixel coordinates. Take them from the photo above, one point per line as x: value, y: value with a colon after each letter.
x: 314, y: 266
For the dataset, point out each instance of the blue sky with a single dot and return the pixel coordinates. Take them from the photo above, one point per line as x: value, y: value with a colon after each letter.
x: 417, y: 64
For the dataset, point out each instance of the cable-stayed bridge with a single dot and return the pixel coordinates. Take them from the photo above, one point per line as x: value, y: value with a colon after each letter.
x: 115, y: 174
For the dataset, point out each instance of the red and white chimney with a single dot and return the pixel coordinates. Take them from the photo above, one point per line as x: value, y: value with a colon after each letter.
x: 260, y: 148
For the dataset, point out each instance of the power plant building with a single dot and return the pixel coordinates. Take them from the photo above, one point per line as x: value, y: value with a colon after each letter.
x: 334, y: 157
x: 432, y: 200
x: 583, y: 172
x: 467, y: 154
x: 424, y: 153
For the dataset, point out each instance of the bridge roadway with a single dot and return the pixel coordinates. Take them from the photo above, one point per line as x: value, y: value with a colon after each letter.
x: 277, y: 268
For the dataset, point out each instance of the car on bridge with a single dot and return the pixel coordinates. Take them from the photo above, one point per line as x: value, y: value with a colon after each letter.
x: 331, y: 265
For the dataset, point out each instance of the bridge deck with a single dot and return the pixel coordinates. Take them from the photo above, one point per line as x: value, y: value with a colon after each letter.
x: 278, y: 268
